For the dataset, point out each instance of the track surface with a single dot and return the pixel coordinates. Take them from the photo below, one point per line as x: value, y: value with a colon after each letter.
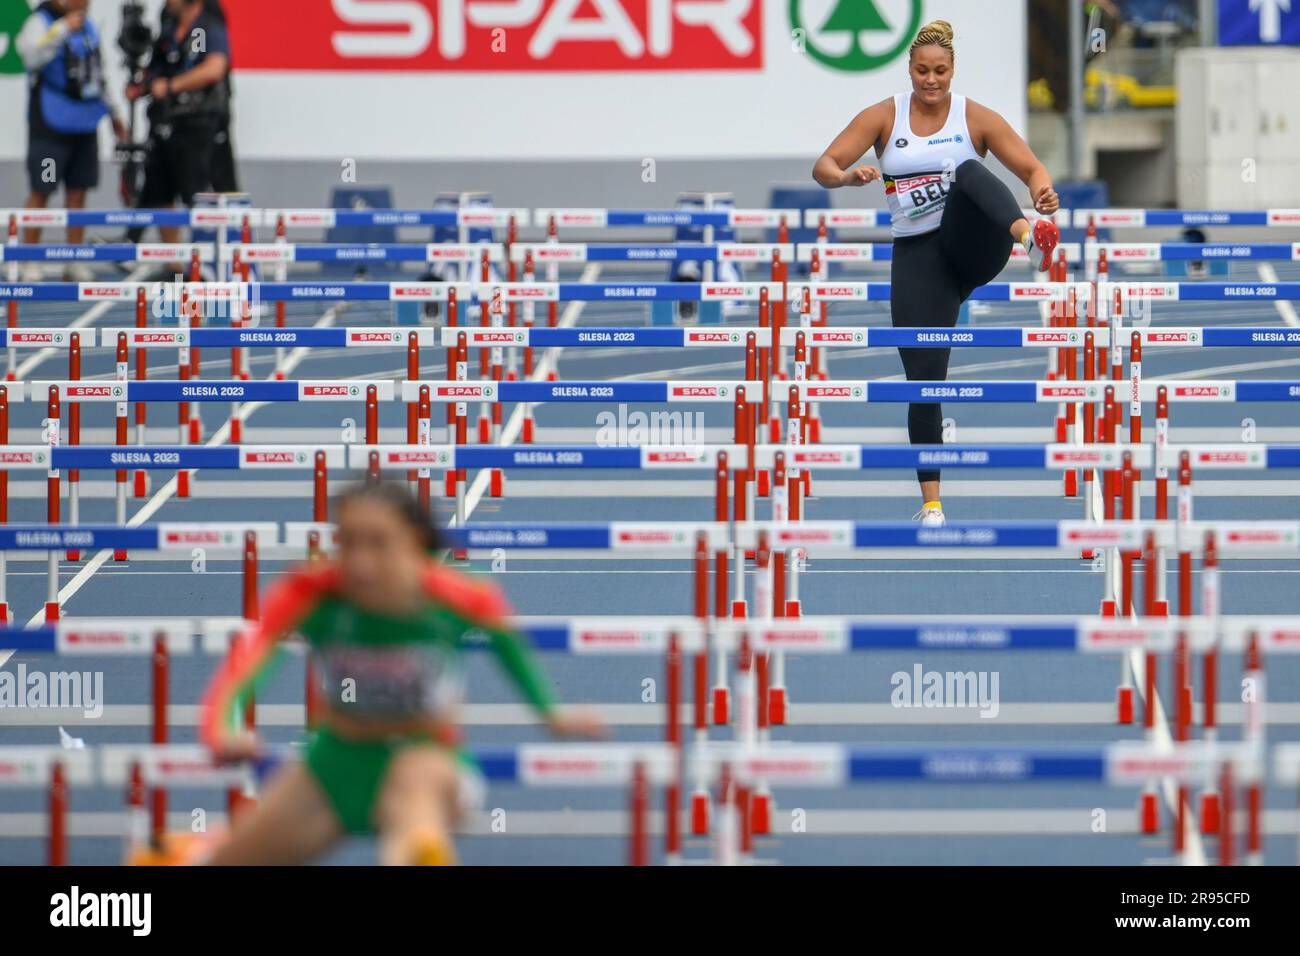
x: 1044, y: 698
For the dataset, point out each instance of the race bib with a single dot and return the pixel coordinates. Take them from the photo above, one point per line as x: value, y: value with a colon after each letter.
x: 921, y: 194
x: 398, y: 681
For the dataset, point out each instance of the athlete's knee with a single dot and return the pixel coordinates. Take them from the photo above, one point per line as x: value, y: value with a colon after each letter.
x: 419, y: 771
x: 967, y: 173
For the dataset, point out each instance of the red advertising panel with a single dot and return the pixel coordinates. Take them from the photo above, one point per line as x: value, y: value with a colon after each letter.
x: 497, y: 35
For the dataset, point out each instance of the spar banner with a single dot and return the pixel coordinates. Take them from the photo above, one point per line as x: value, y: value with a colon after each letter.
x: 426, y: 80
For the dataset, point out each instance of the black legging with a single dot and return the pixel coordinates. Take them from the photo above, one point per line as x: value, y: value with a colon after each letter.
x: 933, y: 274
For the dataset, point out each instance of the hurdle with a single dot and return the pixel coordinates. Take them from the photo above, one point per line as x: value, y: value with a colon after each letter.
x: 1102, y: 339
x: 881, y: 218
x: 242, y: 538
x: 53, y: 770
x: 120, y: 393
x: 733, y: 769
x: 671, y: 637
x: 110, y: 252
x: 320, y: 460
x: 859, y: 253
x: 1084, y: 217
x: 159, y: 639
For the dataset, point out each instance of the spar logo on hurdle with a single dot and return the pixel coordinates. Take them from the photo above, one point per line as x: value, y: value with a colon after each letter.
x: 486, y: 392
x: 34, y: 456
x: 374, y: 337
x: 331, y: 390
x: 1201, y: 391
x: 702, y: 337
x: 813, y: 392
x: 424, y: 457
x: 1052, y: 337
x: 650, y: 537
x: 838, y: 337
x: 36, y: 337
x: 803, y: 455
x: 75, y: 391
x: 1184, y: 337
x: 676, y: 456
x: 249, y: 457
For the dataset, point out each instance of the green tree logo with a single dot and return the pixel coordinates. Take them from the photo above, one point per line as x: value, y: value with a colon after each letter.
x: 851, y: 20
x: 12, y: 15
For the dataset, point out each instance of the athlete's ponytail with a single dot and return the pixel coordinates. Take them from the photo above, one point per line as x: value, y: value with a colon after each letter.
x: 937, y: 32
x: 406, y: 505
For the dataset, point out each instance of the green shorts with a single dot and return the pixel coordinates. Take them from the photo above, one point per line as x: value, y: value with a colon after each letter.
x: 351, y: 773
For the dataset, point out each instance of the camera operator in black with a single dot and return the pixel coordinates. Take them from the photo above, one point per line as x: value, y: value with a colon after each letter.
x: 186, y: 79
x: 225, y: 178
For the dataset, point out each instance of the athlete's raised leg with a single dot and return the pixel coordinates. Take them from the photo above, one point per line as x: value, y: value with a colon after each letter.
x: 292, y: 823
x: 417, y: 807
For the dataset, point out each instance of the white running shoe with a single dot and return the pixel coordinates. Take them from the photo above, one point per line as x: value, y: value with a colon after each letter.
x: 930, y: 517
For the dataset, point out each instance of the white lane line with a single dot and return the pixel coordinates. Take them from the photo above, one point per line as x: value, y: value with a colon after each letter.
x: 89, y: 317
x: 1283, y: 306
x: 165, y: 493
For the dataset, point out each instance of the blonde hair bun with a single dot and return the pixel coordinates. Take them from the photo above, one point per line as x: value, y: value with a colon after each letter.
x: 937, y: 32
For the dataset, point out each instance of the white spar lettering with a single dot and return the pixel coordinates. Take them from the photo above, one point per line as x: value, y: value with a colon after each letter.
x: 403, y: 29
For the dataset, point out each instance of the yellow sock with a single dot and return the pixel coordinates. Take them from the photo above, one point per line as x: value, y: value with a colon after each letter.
x: 1024, y: 240
x: 937, y: 506
x: 430, y: 848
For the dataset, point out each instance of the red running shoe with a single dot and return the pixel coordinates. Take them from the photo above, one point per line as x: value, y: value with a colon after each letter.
x: 1043, y: 243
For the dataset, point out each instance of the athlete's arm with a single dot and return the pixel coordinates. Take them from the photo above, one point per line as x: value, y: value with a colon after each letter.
x: 484, y: 607
x: 996, y: 134
x: 835, y: 166
x: 289, y: 601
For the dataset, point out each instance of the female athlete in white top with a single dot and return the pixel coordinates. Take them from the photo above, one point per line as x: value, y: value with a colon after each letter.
x: 953, y: 221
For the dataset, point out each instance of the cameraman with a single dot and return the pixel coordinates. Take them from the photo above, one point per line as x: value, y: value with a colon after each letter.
x: 60, y: 48
x: 225, y: 178
x: 186, y: 79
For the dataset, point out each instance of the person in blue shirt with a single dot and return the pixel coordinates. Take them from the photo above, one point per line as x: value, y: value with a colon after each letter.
x: 61, y: 50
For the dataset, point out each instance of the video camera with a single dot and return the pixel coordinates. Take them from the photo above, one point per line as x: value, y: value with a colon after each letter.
x: 135, y: 40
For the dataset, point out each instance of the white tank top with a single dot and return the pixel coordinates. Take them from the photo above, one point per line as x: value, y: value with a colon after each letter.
x: 918, y: 169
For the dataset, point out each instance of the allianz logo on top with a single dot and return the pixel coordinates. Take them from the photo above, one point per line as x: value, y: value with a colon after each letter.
x: 947, y: 139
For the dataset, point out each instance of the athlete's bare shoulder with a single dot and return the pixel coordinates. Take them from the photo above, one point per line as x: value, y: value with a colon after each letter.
x: 884, y: 109
x: 977, y: 114
x: 877, y: 120
x: 981, y: 120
